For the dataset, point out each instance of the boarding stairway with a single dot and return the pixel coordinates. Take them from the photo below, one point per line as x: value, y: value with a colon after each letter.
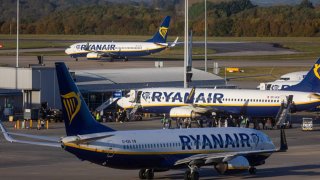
x: 106, y: 104
x: 283, y: 111
x: 134, y: 110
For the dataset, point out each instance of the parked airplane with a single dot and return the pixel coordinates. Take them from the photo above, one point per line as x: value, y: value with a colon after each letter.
x: 251, y: 103
x: 284, y: 81
x: 123, y: 50
x: 152, y: 150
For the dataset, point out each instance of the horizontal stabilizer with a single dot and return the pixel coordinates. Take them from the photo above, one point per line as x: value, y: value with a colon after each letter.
x: 81, y: 139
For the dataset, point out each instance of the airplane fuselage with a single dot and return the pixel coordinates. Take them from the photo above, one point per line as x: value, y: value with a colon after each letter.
x: 160, y: 149
x: 116, y: 49
x: 253, y: 103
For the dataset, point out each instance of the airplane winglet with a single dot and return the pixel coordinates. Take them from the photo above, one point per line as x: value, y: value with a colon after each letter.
x: 174, y: 43
x: 5, y: 133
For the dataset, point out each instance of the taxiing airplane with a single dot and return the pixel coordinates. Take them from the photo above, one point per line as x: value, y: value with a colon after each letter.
x: 285, y: 81
x: 152, y: 150
x: 181, y: 102
x: 123, y: 50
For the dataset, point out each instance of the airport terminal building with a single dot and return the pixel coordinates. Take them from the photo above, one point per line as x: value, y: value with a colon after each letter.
x: 27, y: 88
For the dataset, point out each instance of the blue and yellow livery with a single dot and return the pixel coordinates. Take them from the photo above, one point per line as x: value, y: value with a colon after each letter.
x: 123, y: 50
x: 153, y: 150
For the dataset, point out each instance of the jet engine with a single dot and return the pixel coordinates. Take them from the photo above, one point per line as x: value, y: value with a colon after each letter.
x: 237, y: 164
x: 93, y: 56
x: 183, y: 112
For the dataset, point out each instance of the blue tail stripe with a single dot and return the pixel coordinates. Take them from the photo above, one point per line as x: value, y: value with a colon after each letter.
x: 162, y: 33
x: 311, y: 83
x: 77, y: 117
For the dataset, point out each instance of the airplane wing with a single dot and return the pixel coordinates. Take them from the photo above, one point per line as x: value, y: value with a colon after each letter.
x: 46, y: 138
x: 205, y: 159
x: 52, y: 143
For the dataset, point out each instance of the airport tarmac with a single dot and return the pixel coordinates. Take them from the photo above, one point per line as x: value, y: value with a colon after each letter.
x: 146, y: 62
x: 20, y: 161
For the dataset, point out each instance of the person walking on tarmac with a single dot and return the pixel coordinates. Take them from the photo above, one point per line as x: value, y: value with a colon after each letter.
x: 98, y: 118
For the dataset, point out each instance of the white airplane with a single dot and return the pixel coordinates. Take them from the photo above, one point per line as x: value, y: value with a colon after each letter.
x: 285, y: 81
x: 180, y: 102
x: 123, y: 50
x: 152, y: 150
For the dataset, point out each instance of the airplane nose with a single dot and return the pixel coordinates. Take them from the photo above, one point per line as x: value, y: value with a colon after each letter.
x: 68, y: 51
x: 120, y: 102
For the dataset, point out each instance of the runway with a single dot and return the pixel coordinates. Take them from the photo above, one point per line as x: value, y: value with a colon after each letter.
x: 19, y: 161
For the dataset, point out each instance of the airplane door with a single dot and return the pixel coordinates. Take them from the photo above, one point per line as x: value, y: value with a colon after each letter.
x: 132, y: 96
x: 138, y: 99
x: 110, y: 153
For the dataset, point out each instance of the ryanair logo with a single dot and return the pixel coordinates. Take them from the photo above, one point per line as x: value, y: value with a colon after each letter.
x: 163, y: 31
x: 72, y: 104
x: 315, y: 70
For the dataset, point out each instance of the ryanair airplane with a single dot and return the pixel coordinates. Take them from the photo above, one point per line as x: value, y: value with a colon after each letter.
x: 152, y: 150
x: 123, y: 50
x: 181, y: 102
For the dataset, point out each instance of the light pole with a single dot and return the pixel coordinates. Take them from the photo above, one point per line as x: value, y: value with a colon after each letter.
x: 17, y: 58
x: 205, y: 36
x: 186, y: 43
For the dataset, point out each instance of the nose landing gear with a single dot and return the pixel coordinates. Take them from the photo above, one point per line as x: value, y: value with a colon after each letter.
x: 146, y: 174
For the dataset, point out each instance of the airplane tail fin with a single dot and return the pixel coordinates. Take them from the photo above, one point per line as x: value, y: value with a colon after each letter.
x: 311, y: 83
x: 162, y: 33
x: 77, y: 117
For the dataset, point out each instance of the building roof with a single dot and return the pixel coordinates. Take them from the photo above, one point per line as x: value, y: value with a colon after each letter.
x: 110, y: 80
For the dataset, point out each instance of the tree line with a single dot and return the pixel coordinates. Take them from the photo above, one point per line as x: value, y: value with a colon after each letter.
x: 230, y: 18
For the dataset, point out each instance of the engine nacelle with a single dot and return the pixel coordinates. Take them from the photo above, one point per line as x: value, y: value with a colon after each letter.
x: 93, y: 56
x: 183, y: 112
x: 237, y: 164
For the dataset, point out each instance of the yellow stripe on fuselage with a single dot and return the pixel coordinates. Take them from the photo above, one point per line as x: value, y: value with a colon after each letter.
x: 216, y: 104
x: 87, y: 148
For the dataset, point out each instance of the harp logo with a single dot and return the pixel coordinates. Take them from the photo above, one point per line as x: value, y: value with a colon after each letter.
x: 315, y: 70
x: 163, y: 31
x: 72, y: 104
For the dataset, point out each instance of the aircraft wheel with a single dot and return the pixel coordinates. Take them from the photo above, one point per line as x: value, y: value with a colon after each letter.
x: 187, y: 175
x: 194, y: 175
x: 221, y: 168
x: 76, y: 59
x: 149, y: 174
x: 252, y: 170
x: 125, y: 59
x: 142, y: 174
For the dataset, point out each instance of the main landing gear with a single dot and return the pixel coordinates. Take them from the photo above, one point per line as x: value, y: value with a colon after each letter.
x: 146, y: 174
x: 252, y: 170
x: 192, y: 173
